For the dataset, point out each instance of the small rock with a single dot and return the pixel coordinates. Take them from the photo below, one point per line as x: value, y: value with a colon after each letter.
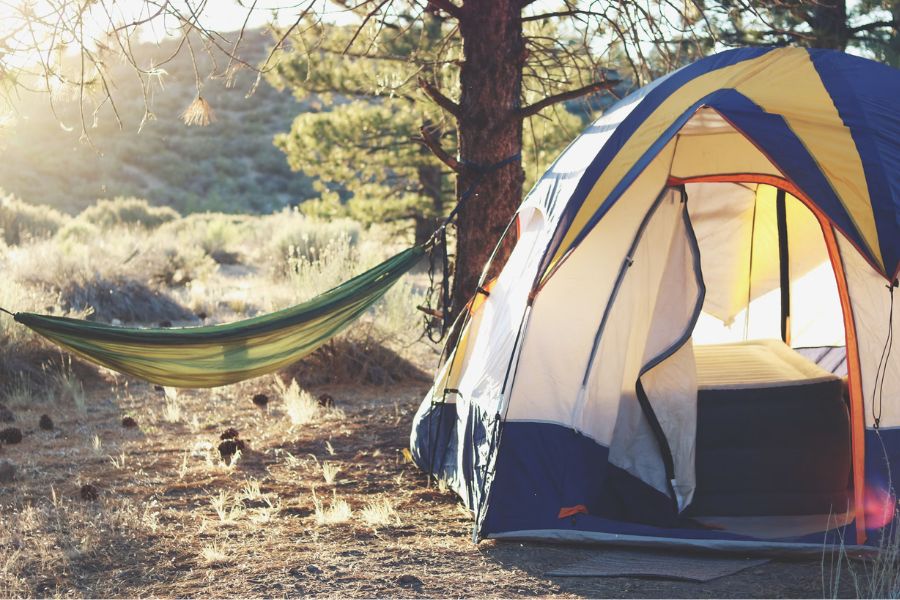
x: 261, y: 400
x: 409, y: 581
x: 7, y: 471
x: 11, y: 435
x: 45, y: 423
x: 229, y: 434
x: 201, y: 315
x: 89, y: 493
x: 165, y: 323
x: 229, y: 448
x: 129, y: 422
x: 313, y: 570
x: 326, y: 400
x: 6, y: 415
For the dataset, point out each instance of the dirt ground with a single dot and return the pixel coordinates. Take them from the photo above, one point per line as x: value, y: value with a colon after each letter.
x: 172, y: 519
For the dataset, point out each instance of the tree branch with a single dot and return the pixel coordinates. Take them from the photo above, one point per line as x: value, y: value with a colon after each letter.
x: 873, y: 25
x: 535, y: 108
x: 432, y: 143
x: 439, y: 98
x: 448, y: 7
x: 562, y: 13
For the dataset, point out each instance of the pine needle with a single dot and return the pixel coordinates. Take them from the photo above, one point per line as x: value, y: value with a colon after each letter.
x: 199, y: 112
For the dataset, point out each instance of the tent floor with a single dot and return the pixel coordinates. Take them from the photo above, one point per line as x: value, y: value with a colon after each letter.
x: 773, y: 527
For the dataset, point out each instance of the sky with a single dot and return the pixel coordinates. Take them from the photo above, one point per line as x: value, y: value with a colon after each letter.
x: 229, y: 15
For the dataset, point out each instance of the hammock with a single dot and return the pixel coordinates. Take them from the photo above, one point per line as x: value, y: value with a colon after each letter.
x: 221, y: 354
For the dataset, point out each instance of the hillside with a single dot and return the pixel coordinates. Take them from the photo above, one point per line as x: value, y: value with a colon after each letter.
x: 231, y: 165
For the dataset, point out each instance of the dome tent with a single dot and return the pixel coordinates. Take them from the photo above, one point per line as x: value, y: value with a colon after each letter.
x: 640, y: 368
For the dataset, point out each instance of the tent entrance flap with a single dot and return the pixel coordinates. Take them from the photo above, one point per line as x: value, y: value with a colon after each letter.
x: 642, y: 339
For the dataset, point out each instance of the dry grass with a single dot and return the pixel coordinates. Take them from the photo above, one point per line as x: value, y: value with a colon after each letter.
x: 228, y: 508
x: 213, y: 555
x: 330, y: 472
x: 198, y: 112
x: 171, y: 412
x: 299, y: 404
x: 337, y: 512
x: 380, y: 513
x: 870, y: 577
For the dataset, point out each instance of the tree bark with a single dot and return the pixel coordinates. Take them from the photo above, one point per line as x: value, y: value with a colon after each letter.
x: 428, y: 219
x: 490, y: 131
x: 829, y: 24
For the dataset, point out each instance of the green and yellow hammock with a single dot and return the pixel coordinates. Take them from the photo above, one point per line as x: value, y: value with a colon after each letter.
x: 221, y: 354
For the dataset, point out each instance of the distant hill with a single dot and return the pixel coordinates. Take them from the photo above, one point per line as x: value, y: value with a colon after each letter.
x: 231, y: 165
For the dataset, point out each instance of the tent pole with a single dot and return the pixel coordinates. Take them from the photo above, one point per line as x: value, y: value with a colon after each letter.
x: 784, y: 265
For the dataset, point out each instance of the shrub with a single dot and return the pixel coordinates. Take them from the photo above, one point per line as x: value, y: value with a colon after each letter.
x: 127, y: 211
x: 77, y: 231
x: 329, y: 265
x: 97, y: 279
x: 296, y: 236
x: 21, y: 221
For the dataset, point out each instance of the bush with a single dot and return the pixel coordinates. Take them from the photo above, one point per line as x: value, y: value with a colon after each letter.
x: 104, y: 279
x: 127, y: 211
x: 78, y: 231
x: 21, y: 222
x: 298, y: 237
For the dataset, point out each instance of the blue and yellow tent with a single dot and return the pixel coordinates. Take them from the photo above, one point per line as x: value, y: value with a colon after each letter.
x: 691, y: 341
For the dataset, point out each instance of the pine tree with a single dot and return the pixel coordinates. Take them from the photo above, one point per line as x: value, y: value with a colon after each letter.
x: 415, y: 101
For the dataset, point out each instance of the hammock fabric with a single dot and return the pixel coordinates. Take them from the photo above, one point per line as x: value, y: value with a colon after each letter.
x: 221, y: 354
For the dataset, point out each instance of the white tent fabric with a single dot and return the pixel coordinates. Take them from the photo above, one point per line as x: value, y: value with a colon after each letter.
x: 652, y: 316
x: 557, y: 343
x: 870, y: 299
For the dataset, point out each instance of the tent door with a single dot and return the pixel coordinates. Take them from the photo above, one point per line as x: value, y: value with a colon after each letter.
x: 650, y: 327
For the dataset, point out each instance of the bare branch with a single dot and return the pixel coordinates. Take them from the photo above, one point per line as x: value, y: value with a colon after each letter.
x: 448, y: 7
x: 430, y: 141
x: 368, y: 17
x: 562, y: 13
x: 533, y: 109
x: 873, y: 25
x: 439, y: 98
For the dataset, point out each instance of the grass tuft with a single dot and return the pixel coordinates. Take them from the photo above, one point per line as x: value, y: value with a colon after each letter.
x: 380, y: 513
x: 213, y: 555
x: 337, y: 512
x: 299, y: 404
x: 330, y: 472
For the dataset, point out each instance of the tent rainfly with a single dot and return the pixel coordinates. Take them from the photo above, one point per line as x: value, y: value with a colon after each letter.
x: 690, y: 342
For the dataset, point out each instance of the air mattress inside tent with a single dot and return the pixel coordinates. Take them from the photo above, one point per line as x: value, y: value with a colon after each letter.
x: 773, y: 433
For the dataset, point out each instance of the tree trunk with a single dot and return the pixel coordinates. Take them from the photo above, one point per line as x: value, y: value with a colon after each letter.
x: 428, y: 219
x: 490, y: 131
x: 892, y: 54
x: 829, y: 24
